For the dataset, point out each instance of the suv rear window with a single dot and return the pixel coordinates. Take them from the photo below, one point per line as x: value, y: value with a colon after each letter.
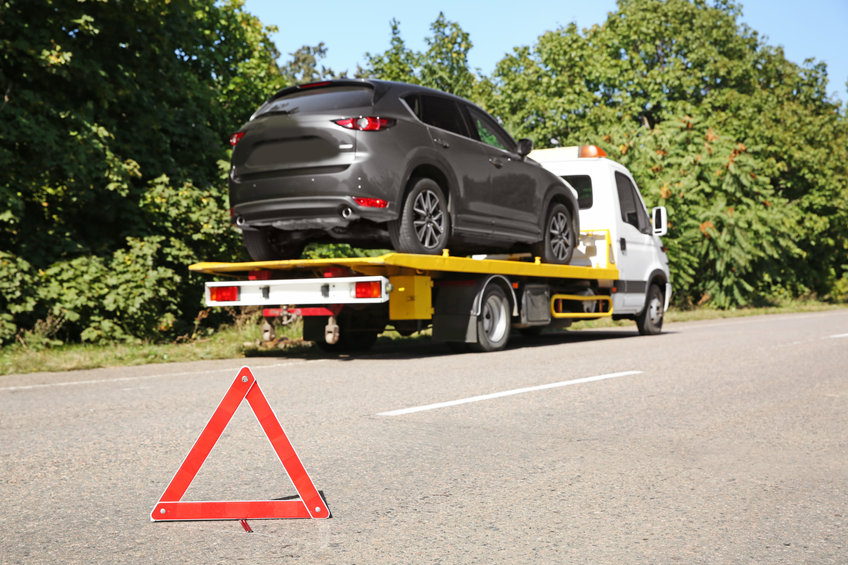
x: 583, y: 185
x: 436, y: 111
x: 315, y: 100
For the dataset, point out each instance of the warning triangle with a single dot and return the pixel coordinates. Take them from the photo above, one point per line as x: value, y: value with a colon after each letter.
x: 309, y: 505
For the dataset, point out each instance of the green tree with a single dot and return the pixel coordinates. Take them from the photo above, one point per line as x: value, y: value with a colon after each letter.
x: 756, y: 180
x: 109, y: 106
x: 443, y: 66
x: 397, y: 63
x: 303, y: 65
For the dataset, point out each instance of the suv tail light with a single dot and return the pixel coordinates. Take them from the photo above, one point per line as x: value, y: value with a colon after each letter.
x: 236, y: 137
x: 365, y: 123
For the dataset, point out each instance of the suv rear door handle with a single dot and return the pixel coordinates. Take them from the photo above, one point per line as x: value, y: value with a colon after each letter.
x: 441, y: 142
x: 496, y: 162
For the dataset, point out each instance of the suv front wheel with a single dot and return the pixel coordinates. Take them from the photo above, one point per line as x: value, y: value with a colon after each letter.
x: 424, y: 223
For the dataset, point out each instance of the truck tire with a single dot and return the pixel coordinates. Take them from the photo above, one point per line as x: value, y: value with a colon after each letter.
x: 493, y: 321
x: 650, y: 320
x: 270, y: 245
x: 559, y: 237
x: 424, y: 223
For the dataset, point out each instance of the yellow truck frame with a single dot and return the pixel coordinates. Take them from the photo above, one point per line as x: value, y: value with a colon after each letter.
x: 469, y: 302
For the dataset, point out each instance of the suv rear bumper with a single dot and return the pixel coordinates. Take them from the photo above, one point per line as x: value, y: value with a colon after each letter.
x: 306, y: 213
x: 320, y: 198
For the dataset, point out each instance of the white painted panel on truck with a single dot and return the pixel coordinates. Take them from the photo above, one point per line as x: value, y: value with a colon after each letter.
x: 635, y: 245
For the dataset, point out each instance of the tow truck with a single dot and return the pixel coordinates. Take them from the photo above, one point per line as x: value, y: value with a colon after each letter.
x: 619, y: 271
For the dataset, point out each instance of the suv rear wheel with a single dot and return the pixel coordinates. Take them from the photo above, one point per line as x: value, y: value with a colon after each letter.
x: 424, y: 224
x: 559, y: 237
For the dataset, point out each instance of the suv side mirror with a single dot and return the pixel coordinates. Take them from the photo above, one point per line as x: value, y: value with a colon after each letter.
x: 660, y: 220
x: 525, y: 146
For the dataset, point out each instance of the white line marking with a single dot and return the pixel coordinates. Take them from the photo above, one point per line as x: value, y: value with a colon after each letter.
x: 144, y: 377
x: 404, y: 411
x: 838, y: 336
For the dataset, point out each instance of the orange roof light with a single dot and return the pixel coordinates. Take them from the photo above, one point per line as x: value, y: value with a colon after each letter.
x: 590, y: 151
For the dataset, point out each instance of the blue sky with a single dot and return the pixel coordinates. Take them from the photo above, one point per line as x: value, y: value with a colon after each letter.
x: 810, y: 29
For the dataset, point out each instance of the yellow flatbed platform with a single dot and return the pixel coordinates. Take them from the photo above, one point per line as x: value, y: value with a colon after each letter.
x: 392, y: 264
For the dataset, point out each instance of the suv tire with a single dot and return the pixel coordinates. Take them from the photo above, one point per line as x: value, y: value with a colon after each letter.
x: 424, y: 223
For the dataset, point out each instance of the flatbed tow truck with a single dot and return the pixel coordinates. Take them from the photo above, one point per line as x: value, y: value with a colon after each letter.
x: 618, y: 271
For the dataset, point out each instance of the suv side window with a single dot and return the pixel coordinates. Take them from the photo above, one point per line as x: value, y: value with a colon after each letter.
x: 487, y: 131
x: 439, y: 112
x: 632, y: 210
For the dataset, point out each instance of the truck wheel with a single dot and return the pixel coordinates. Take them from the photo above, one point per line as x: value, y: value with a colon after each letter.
x: 270, y: 245
x: 559, y: 237
x: 424, y: 223
x: 493, y: 321
x: 650, y: 320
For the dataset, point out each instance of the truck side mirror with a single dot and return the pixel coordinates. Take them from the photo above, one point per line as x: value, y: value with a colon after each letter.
x: 525, y: 146
x: 660, y: 220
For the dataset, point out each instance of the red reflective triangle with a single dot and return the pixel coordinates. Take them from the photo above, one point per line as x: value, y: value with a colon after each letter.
x: 310, y: 504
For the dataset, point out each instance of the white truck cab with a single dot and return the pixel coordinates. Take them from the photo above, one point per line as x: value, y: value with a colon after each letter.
x: 610, y: 201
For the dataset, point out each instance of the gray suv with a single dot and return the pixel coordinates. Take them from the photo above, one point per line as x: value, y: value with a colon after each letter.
x: 377, y: 164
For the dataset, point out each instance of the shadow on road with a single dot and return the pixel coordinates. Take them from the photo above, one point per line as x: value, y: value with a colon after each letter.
x: 424, y: 346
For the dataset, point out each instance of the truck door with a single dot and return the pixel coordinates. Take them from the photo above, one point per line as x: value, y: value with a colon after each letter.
x: 635, y: 247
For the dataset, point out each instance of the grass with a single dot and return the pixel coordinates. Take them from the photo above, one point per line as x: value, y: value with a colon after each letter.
x: 244, y: 340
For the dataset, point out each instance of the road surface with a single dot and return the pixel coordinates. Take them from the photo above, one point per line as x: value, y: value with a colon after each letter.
x: 721, y: 441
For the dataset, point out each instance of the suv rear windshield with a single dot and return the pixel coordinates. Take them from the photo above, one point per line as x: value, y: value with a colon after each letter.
x: 317, y: 100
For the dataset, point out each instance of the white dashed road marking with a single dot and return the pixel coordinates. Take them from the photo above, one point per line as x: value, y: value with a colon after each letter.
x: 449, y: 403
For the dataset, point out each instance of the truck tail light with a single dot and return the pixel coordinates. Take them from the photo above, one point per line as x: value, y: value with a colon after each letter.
x: 223, y: 293
x: 366, y: 123
x: 368, y: 289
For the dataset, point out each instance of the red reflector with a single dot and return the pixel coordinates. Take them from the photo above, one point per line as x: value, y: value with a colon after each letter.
x: 331, y: 272
x: 223, y: 293
x: 369, y: 289
x: 259, y: 276
x: 370, y: 202
x: 366, y: 123
x: 236, y: 137
x: 307, y: 312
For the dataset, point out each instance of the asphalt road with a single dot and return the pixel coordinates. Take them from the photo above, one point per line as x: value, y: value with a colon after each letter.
x: 717, y: 442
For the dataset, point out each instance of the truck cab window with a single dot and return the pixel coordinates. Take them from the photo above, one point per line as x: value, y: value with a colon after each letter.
x: 583, y: 185
x: 632, y: 210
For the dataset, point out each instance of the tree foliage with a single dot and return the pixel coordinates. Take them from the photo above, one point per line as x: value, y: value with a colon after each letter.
x: 743, y: 146
x: 113, y: 123
x: 444, y: 66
